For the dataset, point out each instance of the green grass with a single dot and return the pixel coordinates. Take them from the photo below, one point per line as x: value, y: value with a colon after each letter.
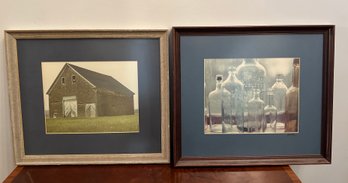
x: 107, y: 124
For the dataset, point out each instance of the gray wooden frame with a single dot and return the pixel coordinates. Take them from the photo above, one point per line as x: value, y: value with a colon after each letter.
x: 11, y: 37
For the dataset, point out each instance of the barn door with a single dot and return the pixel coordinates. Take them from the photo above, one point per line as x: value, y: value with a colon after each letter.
x: 70, y: 106
x: 90, y: 110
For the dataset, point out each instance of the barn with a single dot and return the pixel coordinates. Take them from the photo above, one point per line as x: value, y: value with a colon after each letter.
x: 79, y: 92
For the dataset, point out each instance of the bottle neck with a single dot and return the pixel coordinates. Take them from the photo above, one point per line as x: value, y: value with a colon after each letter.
x: 249, y: 61
x: 219, y: 79
x: 256, y: 95
x: 270, y: 100
x: 218, y: 86
x: 232, y: 75
x: 296, y: 74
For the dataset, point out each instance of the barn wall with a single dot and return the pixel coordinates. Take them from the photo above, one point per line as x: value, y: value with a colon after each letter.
x: 112, y: 104
x: 81, y: 89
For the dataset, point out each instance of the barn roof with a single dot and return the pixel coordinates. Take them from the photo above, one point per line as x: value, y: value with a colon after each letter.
x: 102, y: 81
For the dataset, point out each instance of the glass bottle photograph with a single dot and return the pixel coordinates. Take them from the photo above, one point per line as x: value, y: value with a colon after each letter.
x: 251, y: 95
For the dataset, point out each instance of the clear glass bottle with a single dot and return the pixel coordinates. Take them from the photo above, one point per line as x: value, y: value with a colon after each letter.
x: 291, y: 100
x: 218, y: 103
x: 255, y: 112
x: 270, y: 113
x: 279, y: 90
x: 236, y: 88
x: 253, y: 75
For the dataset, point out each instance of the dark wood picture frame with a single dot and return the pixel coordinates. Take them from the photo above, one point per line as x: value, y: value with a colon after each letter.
x: 327, y: 96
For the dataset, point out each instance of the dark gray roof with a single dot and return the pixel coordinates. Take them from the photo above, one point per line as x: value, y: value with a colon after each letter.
x: 102, y: 81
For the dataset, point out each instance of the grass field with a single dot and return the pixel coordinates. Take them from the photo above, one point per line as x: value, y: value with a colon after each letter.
x: 107, y: 124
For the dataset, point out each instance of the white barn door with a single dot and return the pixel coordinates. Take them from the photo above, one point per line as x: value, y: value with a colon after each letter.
x: 70, y: 106
x: 90, y: 110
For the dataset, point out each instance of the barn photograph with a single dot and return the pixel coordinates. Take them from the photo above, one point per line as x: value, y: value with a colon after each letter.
x: 90, y: 97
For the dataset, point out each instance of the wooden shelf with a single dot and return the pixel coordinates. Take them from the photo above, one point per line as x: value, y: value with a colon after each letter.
x: 150, y: 174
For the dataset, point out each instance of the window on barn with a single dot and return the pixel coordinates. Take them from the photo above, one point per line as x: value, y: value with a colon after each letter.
x: 62, y: 80
x: 73, y: 79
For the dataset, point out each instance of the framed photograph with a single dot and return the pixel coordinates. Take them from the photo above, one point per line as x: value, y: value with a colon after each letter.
x: 258, y: 95
x: 89, y: 96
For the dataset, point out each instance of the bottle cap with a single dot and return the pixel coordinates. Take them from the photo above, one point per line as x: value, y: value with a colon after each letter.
x: 296, y: 61
x: 219, y: 77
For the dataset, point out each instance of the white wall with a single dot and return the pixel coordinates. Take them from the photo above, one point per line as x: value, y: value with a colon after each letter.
x: 95, y: 14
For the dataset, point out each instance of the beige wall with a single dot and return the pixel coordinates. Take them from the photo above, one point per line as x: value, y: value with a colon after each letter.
x: 95, y: 14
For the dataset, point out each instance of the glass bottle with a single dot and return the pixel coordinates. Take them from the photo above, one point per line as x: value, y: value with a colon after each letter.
x: 253, y: 75
x: 236, y: 88
x: 255, y: 112
x: 218, y: 103
x: 291, y: 100
x: 270, y: 113
x: 279, y: 90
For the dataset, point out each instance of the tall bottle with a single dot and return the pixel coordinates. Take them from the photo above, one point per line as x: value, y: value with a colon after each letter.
x: 279, y: 90
x: 253, y: 75
x: 255, y: 113
x: 236, y: 88
x: 270, y: 113
x: 218, y: 104
x: 291, y: 100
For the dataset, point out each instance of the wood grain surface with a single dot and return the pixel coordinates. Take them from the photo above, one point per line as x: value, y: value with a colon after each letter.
x: 151, y: 174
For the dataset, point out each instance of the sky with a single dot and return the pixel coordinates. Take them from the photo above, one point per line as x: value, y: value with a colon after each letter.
x: 126, y: 72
